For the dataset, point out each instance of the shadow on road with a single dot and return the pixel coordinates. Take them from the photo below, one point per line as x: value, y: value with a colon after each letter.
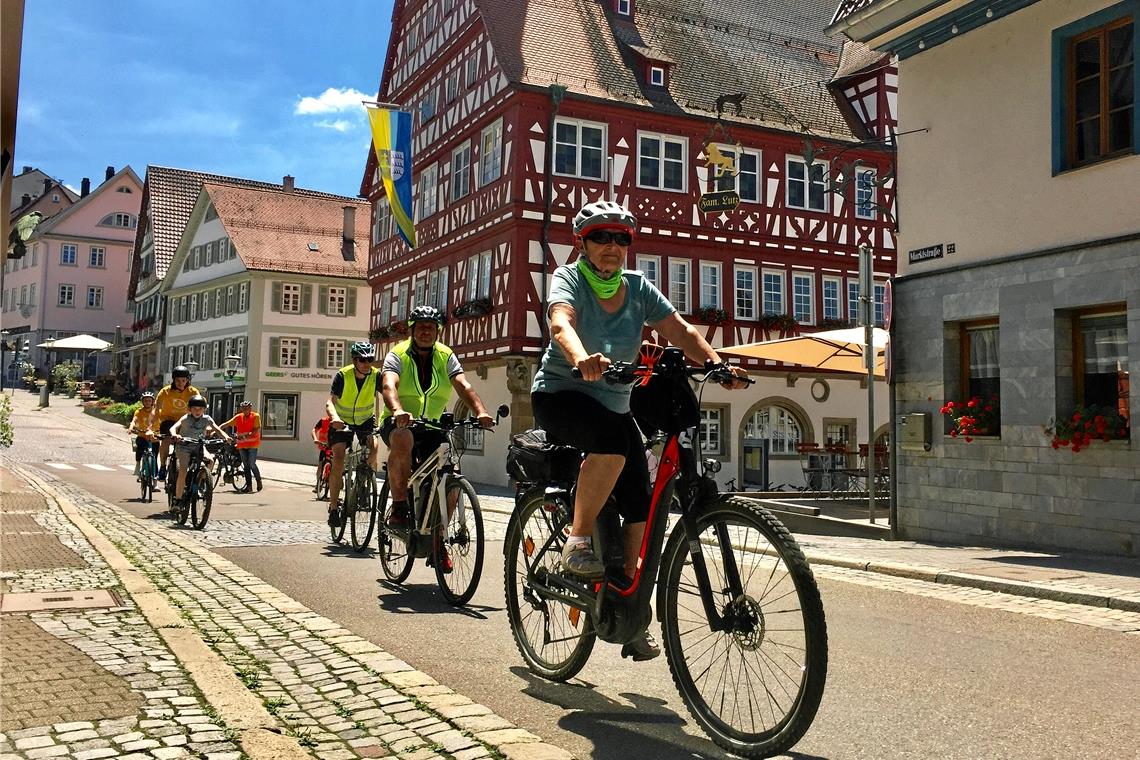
x: 423, y: 598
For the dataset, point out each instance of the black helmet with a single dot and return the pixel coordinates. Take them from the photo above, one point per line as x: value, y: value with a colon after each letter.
x: 180, y: 371
x: 362, y: 349
x: 425, y: 314
x: 196, y: 400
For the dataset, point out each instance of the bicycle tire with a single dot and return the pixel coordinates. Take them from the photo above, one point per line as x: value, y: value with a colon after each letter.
x: 239, y: 479
x: 395, y: 555
x: 463, y: 543
x: 322, y: 484
x: 146, y: 478
x: 772, y: 638
x: 202, y: 501
x: 560, y: 656
x: 365, y: 506
x: 337, y: 533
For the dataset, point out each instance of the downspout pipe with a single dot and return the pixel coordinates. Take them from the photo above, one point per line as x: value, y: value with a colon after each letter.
x: 557, y: 91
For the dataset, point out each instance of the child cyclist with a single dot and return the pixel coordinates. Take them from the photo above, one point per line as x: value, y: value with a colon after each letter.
x: 143, y: 426
x: 194, y: 425
x: 321, y: 441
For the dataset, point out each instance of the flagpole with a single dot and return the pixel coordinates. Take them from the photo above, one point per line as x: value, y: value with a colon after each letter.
x: 390, y: 106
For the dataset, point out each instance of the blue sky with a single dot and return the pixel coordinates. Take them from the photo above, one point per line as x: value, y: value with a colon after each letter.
x: 255, y: 90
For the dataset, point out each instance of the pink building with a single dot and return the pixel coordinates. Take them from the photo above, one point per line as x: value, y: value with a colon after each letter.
x: 75, y: 275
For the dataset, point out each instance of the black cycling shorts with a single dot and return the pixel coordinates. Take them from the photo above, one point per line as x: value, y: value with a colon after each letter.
x: 164, y: 427
x: 574, y: 419
x: 424, y: 441
x: 345, y: 434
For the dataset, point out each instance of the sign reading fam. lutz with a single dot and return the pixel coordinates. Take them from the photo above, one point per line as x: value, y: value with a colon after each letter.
x: 722, y: 200
x: 924, y: 254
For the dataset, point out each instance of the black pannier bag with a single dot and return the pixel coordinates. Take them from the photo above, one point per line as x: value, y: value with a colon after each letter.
x: 667, y: 402
x: 533, y: 459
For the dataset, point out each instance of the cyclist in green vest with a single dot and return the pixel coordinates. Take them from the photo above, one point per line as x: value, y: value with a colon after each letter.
x: 352, y: 412
x: 418, y: 377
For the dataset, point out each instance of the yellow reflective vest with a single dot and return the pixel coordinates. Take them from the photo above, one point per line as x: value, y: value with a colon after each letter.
x: 430, y: 402
x: 356, y: 405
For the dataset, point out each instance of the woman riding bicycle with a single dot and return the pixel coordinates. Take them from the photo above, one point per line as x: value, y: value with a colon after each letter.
x: 170, y: 406
x: 597, y: 312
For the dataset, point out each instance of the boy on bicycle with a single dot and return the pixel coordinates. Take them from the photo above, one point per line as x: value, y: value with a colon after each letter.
x: 170, y: 405
x: 194, y: 425
x: 142, y: 426
x: 418, y: 377
x: 321, y: 441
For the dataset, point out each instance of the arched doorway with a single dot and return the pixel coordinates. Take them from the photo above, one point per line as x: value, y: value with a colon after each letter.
x: 772, y: 427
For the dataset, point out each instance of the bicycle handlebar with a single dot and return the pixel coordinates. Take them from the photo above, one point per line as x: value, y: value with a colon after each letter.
x: 626, y: 373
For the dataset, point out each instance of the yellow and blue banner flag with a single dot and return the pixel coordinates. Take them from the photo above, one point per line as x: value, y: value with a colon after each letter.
x: 392, y: 141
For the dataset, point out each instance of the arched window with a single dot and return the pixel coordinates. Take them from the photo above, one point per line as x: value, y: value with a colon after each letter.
x: 777, y: 424
x: 119, y: 219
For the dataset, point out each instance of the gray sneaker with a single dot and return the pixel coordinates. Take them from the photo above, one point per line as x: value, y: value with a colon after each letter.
x: 641, y: 649
x: 580, y: 561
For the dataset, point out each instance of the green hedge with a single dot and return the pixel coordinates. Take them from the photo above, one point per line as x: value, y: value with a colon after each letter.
x: 120, y: 412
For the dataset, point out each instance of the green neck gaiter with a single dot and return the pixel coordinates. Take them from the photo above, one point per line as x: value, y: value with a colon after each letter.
x: 604, y: 289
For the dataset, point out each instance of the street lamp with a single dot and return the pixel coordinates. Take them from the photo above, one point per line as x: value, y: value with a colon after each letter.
x: 192, y: 367
x: 231, y: 363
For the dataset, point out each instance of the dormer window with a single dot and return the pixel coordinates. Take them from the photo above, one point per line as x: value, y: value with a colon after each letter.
x: 623, y: 7
x: 657, y: 76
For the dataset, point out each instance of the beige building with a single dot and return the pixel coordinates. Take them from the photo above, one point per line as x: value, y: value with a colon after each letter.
x: 1019, y: 265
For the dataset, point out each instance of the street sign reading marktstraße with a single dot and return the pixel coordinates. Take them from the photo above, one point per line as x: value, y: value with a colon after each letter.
x: 722, y: 200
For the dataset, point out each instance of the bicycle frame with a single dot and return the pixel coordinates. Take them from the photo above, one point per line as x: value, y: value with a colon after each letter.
x: 434, y: 472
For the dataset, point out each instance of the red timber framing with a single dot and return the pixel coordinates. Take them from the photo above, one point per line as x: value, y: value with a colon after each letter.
x: 443, y: 67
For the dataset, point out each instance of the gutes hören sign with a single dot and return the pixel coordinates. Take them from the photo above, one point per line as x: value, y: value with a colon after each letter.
x: 722, y: 200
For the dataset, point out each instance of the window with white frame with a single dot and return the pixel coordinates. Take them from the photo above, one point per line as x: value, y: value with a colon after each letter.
x: 381, y: 221
x: 191, y: 356
x: 660, y: 161
x: 880, y: 304
x: 650, y: 266
x: 334, y: 354
x: 712, y: 431
x: 773, y: 292
x: 746, y: 180
x: 290, y: 352
x: 126, y: 221
x: 461, y: 171
x: 419, y: 289
x: 803, y: 303
x: 279, y: 415
x: 67, y: 254
x: 66, y: 295
x: 429, y: 191
x: 853, y: 301
x: 402, y: 301
x: 831, y: 290
x: 338, y: 302
x: 745, y: 292
x: 428, y: 105
x: 865, y: 193
x: 97, y: 257
x: 219, y: 303
x: 291, y: 298
x: 471, y: 70
x: 239, y: 346
x: 710, y: 285
x: 679, y: 284
x: 451, y: 88
x: 579, y: 149
x: 243, y: 297
x: 778, y: 425
x: 386, y: 306
x: 491, y: 153
x: 656, y: 76
x: 216, y: 354
x: 804, y: 191
x: 479, y: 276
x: 194, y: 307
x: 623, y: 7
x: 206, y: 305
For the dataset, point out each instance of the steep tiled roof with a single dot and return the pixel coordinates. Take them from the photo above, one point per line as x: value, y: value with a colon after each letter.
x: 272, y: 229
x: 775, y: 51
x: 855, y: 58
x: 169, y: 196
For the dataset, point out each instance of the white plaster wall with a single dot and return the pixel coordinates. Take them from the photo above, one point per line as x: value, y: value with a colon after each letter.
x: 981, y: 178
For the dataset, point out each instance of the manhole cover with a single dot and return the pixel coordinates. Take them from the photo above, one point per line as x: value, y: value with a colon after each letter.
x: 59, y: 600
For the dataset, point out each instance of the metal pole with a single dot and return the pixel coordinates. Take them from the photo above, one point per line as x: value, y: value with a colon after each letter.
x: 610, y: 172
x: 867, y: 296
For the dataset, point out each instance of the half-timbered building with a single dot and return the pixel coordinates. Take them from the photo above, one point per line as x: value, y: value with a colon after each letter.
x: 525, y: 111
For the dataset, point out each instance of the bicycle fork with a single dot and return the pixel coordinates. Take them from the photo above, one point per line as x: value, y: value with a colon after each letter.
x: 735, y: 589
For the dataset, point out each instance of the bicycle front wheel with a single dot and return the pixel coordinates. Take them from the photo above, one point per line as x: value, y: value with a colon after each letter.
x: 202, y: 501
x: 321, y: 489
x: 146, y: 478
x: 240, y: 480
x: 392, y: 546
x: 755, y: 684
x: 553, y: 638
x: 363, y: 515
x: 337, y: 532
x: 459, y: 549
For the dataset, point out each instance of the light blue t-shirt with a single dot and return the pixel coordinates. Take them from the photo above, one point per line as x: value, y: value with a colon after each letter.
x: 617, y: 335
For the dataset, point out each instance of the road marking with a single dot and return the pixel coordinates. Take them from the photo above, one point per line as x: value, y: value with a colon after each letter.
x: 101, y: 467
x: 59, y: 465
x: 130, y: 467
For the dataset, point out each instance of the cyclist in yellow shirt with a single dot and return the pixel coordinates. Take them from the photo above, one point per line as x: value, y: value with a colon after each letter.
x: 142, y: 425
x: 171, y: 404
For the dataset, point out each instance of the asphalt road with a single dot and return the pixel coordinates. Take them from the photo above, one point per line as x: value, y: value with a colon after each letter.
x: 909, y: 676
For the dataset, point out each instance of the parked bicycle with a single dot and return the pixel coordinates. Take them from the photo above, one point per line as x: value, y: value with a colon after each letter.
x: 742, y: 621
x: 148, y: 471
x: 447, y: 526
x: 357, y: 498
x: 228, y: 468
x: 198, y: 491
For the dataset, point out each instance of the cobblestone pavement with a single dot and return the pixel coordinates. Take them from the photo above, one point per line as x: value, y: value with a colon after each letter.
x: 338, y: 694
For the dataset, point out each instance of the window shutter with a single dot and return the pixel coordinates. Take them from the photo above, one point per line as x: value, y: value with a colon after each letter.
x: 306, y: 298
x: 322, y: 352
x: 274, y: 352
x: 304, y: 361
x: 323, y: 299
x: 350, y: 303
x: 276, y: 305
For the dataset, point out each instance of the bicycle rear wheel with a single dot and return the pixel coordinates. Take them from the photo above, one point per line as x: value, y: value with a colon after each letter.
x: 363, y: 516
x: 202, y: 501
x: 755, y: 686
x: 240, y: 479
x: 459, y: 571
x: 553, y: 638
x: 395, y: 556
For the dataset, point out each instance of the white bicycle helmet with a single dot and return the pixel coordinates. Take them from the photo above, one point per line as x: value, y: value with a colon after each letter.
x: 604, y: 214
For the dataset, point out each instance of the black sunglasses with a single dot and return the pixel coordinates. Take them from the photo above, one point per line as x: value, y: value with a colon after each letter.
x: 605, y: 237
x: 362, y: 359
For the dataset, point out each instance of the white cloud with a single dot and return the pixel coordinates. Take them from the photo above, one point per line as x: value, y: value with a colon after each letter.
x: 332, y: 100
x: 340, y: 125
